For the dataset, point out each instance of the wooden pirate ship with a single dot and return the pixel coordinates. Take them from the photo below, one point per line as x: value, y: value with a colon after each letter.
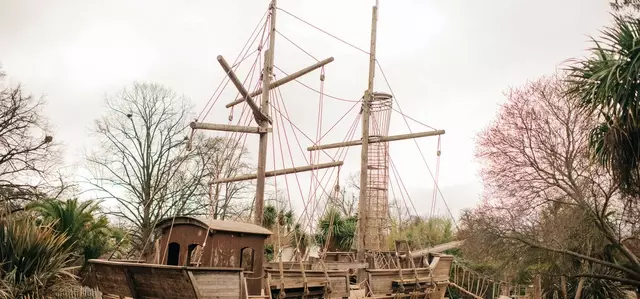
x: 196, y: 258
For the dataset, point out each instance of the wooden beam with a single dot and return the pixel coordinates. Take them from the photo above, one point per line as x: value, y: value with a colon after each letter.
x: 194, y: 283
x: 376, y: 140
x: 436, y: 249
x: 279, y: 172
x: 263, y: 144
x: 285, y: 80
x: 130, y: 283
x: 259, y: 116
x: 363, y: 207
x: 228, y: 128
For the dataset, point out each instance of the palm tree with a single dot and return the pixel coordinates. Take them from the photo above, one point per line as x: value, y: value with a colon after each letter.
x: 269, y: 217
x: 299, y: 238
x: 87, y: 233
x: 33, y: 258
x: 422, y: 232
x: 272, y: 216
x: 343, y: 230
x: 607, y: 85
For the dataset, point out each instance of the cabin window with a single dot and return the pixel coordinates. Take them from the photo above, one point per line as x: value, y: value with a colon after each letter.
x: 193, y: 254
x: 173, y: 256
x: 246, y: 259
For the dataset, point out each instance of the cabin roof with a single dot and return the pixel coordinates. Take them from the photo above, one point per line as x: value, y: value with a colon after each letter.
x: 215, y: 225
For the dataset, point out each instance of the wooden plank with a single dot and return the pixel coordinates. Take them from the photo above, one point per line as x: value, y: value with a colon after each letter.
x: 441, y: 267
x: 381, y: 281
x: 341, y: 266
x: 192, y: 279
x: 130, y: 283
x: 279, y: 172
x: 436, y: 249
x: 162, y: 281
x: 285, y: 80
x: 219, y: 285
x: 243, y: 286
x: 160, y: 266
x: 293, y: 279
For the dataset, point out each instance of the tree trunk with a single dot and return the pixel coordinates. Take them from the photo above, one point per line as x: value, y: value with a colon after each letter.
x: 537, y: 287
x: 579, y: 289
x: 563, y: 282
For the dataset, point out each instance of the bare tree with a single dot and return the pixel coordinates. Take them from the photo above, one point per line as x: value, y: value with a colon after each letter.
x: 620, y: 5
x: 346, y: 200
x: 27, y: 151
x: 141, y: 161
x: 536, y: 166
x: 224, y: 158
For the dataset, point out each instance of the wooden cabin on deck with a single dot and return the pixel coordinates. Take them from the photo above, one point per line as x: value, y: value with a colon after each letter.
x: 227, y: 244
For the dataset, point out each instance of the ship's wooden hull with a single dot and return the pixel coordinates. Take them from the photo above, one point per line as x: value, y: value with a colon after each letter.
x: 310, y: 283
x: 146, y: 281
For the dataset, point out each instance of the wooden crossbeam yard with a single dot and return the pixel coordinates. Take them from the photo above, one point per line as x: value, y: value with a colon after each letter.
x: 228, y: 128
x: 376, y: 140
x: 285, y: 80
x: 259, y: 116
x: 279, y: 172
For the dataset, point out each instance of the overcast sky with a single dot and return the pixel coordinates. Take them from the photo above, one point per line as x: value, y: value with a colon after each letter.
x: 448, y: 63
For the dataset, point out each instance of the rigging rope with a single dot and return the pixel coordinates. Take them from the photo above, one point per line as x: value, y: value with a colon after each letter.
x: 314, y: 172
x: 231, y: 136
x: 325, y: 32
x: 236, y: 64
x: 284, y: 115
x: 278, y: 249
x: 435, y: 188
x: 317, y: 91
x: 296, y: 45
x: 416, y: 142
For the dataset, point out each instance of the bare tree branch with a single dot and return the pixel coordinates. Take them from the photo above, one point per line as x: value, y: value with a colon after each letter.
x: 27, y: 151
x: 543, y: 194
x: 141, y: 161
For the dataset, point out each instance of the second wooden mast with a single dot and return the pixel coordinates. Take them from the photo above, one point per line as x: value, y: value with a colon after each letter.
x: 267, y: 73
x: 363, y: 215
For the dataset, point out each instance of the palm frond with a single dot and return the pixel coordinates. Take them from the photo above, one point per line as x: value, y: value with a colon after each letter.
x: 607, y: 86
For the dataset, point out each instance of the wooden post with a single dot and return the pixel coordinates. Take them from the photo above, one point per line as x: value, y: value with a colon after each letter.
x: 267, y: 71
x: 537, y: 287
x: 579, y: 288
x: 364, y: 161
x: 563, y: 282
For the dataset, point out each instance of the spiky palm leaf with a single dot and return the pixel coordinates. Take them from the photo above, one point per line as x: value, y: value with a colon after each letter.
x: 270, y: 216
x: 33, y: 257
x: 299, y: 239
x: 343, y: 230
x: 86, y: 233
x: 607, y: 85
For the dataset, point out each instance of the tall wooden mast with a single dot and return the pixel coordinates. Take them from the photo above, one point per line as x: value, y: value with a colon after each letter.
x: 267, y: 73
x: 261, y: 116
x: 363, y: 214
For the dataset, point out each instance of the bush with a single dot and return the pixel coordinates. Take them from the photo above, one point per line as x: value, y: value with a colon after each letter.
x: 34, y: 258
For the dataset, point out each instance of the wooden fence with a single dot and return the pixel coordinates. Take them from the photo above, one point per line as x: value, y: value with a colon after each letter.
x: 73, y: 293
